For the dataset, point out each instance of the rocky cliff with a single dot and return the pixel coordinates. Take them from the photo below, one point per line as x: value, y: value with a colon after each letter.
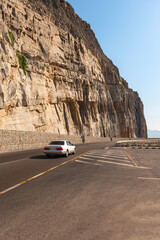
x: 54, y: 77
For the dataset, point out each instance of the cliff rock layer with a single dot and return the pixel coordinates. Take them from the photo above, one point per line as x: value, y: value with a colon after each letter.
x: 54, y: 77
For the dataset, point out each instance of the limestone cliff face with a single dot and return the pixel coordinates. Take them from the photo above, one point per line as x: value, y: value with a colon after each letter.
x: 55, y: 78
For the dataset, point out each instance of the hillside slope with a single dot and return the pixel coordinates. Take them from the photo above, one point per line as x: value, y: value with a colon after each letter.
x: 54, y: 77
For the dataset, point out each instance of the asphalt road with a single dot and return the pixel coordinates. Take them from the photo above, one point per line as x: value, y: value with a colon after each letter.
x: 101, y: 193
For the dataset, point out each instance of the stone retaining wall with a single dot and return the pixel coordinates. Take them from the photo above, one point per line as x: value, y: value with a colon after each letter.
x: 11, y: 140
x: 143, y: 143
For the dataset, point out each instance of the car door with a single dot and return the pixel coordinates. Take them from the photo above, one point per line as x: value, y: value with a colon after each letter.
x: 70, y: 147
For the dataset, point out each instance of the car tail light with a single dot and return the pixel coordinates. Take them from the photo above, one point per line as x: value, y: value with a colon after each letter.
x: 46, y: 148
x: 59, y: 148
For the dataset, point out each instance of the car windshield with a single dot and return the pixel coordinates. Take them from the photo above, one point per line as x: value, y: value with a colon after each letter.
x: 57, y: 143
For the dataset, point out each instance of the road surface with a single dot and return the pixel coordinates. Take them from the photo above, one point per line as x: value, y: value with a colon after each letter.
x: 103, y: 192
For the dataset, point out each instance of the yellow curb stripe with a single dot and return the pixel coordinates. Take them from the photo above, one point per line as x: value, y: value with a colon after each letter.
x: 38, y: 175
x: 130, y: 158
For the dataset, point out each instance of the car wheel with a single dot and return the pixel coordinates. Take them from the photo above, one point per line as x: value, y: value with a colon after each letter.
x: 74, y: 151
x: 67, y: 153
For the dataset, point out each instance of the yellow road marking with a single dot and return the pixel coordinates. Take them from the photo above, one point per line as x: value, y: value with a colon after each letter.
x: 38, y: 175
x: 22, y: 182
x: 29, y: 179
x: 130, y: 158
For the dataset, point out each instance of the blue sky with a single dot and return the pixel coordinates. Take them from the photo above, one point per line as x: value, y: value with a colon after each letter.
x: 129, y: 34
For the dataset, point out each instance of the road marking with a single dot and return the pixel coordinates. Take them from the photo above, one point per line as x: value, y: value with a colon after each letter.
x: 147, y: 178
x: 22, y: 182
x: 90, y: 156
x: 116, y: 159
x: 122, y: 164
x: 90, y: 159
x: 130, y: 158
x: 106, y: 148
x: 139, y: 167
x: 88, y: 162
x: 29, y: 179
x: 9, y: 189
x: 118, y: 156
x: 115, y: 156
x: 95, y: 156
x: 110, y: 155
x: 108, y: 158
x: 38, y: 175
x: 13, y: 161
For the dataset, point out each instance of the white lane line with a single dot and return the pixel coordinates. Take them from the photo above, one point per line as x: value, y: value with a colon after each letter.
x: 96, y: 156
x: 122, y: 164
x: 90, y: 156
x: 8, y: 189
x: 120, y: 160
x: 97, y: 152
x: 115, y: 156
x: 90, y: 159
x: 13, y: 161
x: 79, y: 161
x: 108, y: 154
x: 106, y: 148
x: 147, y: 178
x: 142, y: 167
x: 93, y: 154
x: 108, y: 158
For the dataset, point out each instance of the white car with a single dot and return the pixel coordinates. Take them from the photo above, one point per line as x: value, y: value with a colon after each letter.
x: 62, y: 147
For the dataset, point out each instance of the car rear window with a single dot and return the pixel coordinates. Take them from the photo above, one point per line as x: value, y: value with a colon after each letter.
x: 57, y: 143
